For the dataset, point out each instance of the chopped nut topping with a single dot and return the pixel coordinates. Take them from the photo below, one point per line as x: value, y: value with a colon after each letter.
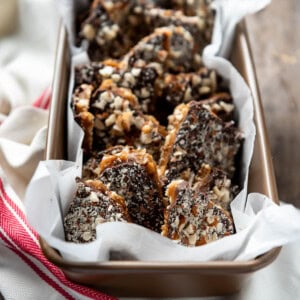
x: 106, y: 71
x: 89, y: 32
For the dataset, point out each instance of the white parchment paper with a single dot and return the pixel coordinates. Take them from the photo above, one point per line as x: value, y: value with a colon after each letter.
x: 228, y: 14
x: 261, y: 225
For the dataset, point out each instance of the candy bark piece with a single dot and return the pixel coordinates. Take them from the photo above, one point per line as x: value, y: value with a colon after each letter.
x: 219, y: 104
x: 102, y: 34
x: 174, y: 89
x: 197, y: 136
x: 195, y: 25
x: 184, y: 87
x: 172, y: 47
x: 113, y: 27
x: 95, y: 72
x: 112, y: 116
x: 120, y: 121
x: 116, y: 112
x: 191, y: 218
x: 93, y: 204
x: 133, y: 175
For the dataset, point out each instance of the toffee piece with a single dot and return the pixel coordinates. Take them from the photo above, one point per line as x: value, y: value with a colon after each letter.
x: 191, y: 218
x: 198, y: 27
x: 116, y: 112
x: 102, y: 33
x: 113, y: 27
x: 184, y: 87
x: 115, y: 118
x: 93, y: 73
x: 172, y: 47
x: 197, y: 136
x: 93, y: 204
x: 132, y: 174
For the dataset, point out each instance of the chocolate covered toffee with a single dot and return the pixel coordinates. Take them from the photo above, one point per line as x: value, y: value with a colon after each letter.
x: 160, y: 142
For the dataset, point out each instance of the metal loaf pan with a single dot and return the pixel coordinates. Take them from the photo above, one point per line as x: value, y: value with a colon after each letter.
x: 164, y: 279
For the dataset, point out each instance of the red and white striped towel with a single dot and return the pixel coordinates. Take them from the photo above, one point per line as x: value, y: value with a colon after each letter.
x: 21, y: 258
x: 43, y: 101
x: 17, y: 236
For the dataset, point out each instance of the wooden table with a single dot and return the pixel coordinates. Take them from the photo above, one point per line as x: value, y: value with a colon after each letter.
x: 275, y: 40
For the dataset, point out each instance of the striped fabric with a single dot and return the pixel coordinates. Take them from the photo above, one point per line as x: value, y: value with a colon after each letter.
x: 21, y: 240
x: 44, y: 100
x: 16, y: 235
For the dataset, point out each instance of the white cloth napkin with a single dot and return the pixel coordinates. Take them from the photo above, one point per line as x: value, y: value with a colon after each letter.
x: 26, y: 67
x: 27, y: 56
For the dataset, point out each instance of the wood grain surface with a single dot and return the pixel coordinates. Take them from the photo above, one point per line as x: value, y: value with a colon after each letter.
x: 275, y: 41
